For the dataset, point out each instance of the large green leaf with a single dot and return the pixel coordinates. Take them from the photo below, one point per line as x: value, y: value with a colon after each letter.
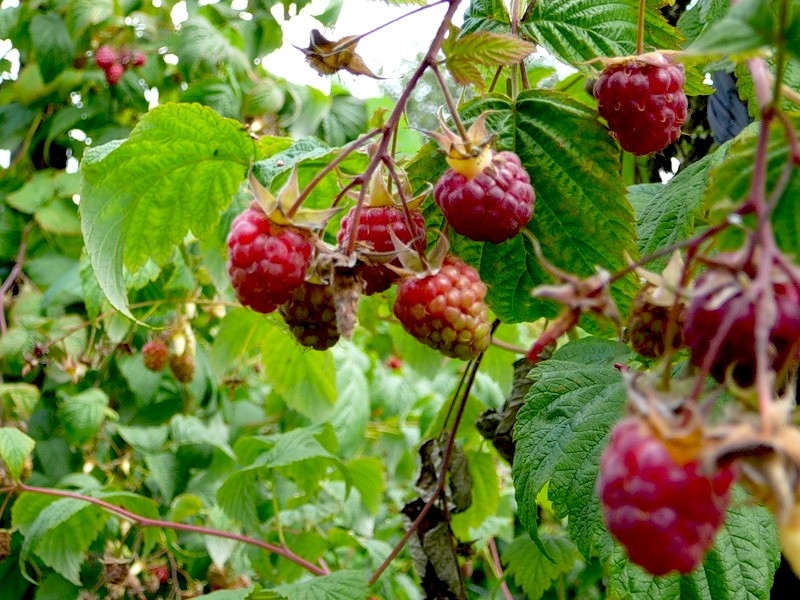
x: 83, y: 414
x: 62, y: 533
x: 180, y: 168
x: 576, y: 397
x: 581, y: 218
x: 747, y: 26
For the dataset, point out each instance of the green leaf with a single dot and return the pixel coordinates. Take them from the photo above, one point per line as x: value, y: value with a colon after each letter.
x: 575, y: 399
x: 61, y: 535
x: 485, y: 494
x: 345, y: 121
x: 577, y: 31
x: 53, y: 45
x: 486, y: 15
x: 83, y: 414
x: 367, y: 475
x: 19, y: 399
x: 534, y: 570
x: 37, y: 192
x: 182, y: 165
x: 243, y: 594
x: 15, y: 448
x: 305, y: 380
x: 202, y: 48
x: 483, y: 48
x: 747, y: 26
x: 581, y: 217
x: 238, y: 494
x: 145, y: 439
x: 142, y: 506
x: 671, y: 213
x: 84, y: 13
x: 352, y: 406
x: 341, y: 585
x: 291, y: 447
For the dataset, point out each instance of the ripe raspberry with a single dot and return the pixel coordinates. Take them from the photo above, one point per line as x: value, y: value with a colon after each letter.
x: 182, y: 367
x: 311, y: 316
x: 105, y: 57
x: 643, y: 102
x: 647, y: 327
x: 665, y: 514
x: 139, y: 59
x: 492, y: 206
x: 114, y: 73
x: 446, y: 310
x: 155, y: 354
x: 721, y: 300
x: 373, y: 230
x: 266, y: 261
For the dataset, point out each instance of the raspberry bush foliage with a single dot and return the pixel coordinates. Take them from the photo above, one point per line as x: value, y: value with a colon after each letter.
x: 524, y: 327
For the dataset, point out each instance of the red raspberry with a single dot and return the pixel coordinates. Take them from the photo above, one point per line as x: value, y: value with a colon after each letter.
x: 266, y: 261
x: 139, y: 59
x: 374, y: 226
x: 446, y: 310
x: 155, y: 354
x: 665, y: 514
x: 311, y: 316
x: 114, y: 73
x: 493, y: 206
x: 643, y: 102
x: 105, y: 57
x: 721, y: 301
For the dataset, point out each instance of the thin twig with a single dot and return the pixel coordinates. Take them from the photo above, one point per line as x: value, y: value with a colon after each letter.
x: 147, y: 522
x: 15, y: 272
x: 498, y: 569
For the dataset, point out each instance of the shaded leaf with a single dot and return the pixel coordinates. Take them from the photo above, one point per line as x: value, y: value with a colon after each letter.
x: 341, y: 585
x: 83, y: 414
x: 53, y: 44
x: 746, y: 27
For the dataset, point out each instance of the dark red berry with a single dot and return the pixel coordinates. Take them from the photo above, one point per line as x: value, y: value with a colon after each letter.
x: 643, y: 102
x: 114, y: 73
x: 139, y: 59
x: 373, y: 235
x: 155, y: 354
x: 105, y: 57
x: 492, y: 206
x: 266, y: 261
x: 666, y: 514
x: 722, y: 307
x: 446, y: 310
x: 311, y: 316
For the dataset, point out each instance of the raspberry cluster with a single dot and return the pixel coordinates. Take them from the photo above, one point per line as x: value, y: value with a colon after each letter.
x: 643, y: 102
x: 114, y: 62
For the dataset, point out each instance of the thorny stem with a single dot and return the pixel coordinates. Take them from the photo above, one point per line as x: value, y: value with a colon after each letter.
x: 13, y: 275
x: 446, y: 457
x: 146, y: 522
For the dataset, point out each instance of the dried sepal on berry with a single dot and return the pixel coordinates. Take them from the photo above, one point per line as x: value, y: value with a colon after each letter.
x: 469, y: 156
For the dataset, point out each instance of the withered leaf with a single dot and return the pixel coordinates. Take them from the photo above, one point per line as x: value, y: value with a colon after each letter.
x: 327, y: 57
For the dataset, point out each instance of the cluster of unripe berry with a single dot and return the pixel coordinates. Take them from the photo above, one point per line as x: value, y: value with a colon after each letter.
x: 274, y: 264
x: 115, y: 61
